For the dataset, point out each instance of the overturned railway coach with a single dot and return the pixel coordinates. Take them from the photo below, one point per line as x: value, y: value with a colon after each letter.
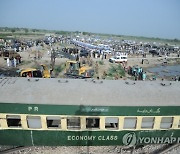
x: 88, y: 112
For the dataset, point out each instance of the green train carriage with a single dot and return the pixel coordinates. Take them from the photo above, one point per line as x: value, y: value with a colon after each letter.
x: 88, y: 112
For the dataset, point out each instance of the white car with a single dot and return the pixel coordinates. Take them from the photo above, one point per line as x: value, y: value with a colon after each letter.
x: 118, y: 59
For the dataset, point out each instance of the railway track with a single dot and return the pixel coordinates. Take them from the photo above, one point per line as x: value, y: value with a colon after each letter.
x: 12, y: 150
x: 165, y: 149
x: 148, y: 149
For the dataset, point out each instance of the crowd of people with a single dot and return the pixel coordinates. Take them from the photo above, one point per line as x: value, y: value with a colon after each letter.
x: 137, y: 72
x: 81, y: 54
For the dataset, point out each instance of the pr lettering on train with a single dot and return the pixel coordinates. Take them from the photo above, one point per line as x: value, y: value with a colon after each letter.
x: 35, y: 108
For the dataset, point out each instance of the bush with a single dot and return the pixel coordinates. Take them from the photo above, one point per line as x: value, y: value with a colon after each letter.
x: 58, y: 69
x: 26, y: 30
x: 13, y: 30
x: 101, y: 62
x: 116, y: 71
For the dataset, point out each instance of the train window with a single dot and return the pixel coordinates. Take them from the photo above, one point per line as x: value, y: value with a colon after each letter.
x: 73, y: 123
x: 166, y: 122
x: 92, y: 122
x: 130, y: 122
x: 53, y: 122
x: 34, y: 122
x: 179, y: 124
x: 13, y: 121
x: 147, y: 122
x: 111, y: 123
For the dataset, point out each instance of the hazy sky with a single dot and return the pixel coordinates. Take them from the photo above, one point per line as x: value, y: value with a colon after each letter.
x: 151, y: 18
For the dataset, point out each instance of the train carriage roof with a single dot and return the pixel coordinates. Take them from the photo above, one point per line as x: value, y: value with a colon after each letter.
x: 89, y: 92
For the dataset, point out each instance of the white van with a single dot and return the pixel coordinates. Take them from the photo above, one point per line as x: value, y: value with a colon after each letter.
x: 118, y: 59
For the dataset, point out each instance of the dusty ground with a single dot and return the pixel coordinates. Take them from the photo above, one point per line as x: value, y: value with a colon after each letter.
x: 29, y: 62
x: 93, y: 150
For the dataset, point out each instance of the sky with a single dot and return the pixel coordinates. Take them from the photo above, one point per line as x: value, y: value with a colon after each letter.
x: 149, y: 18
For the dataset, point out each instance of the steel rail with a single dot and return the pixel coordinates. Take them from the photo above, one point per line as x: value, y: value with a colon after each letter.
x: 14, y: 149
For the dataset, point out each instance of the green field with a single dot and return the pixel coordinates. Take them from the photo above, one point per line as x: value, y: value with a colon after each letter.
x: 6, y: 33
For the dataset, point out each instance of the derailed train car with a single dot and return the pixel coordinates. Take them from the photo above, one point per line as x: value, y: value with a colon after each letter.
x: 88, y: 112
